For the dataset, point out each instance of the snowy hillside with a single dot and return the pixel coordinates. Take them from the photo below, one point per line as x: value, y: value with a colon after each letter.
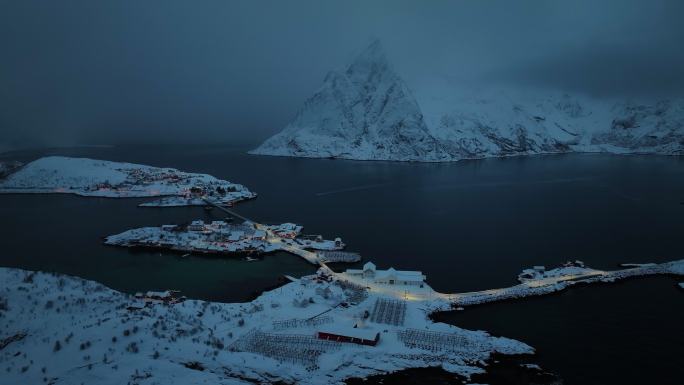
x: 366, y: 112
x: 60, y: 329
x: 90, y: 177
x: 66, y: 330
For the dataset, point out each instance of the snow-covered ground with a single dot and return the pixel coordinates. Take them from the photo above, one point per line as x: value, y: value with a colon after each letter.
x: 60, y: 329
x: 68, y: 330
x: 366, y: 111
x: 101, y: 178
x: 219, y: 237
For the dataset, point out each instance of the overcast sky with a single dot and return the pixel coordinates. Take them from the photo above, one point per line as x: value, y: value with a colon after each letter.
x: 106, y: 72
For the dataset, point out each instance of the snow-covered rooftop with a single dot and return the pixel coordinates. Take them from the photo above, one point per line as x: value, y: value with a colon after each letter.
x: 350, y: 331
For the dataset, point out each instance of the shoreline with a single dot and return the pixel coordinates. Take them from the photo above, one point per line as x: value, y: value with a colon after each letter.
x: 241, y: 323
x: 499, y: 370
x: 102, y: 178
x: 454, y: 161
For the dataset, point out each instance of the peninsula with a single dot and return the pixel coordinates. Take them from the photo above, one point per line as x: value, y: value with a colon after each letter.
x: 101, y: 178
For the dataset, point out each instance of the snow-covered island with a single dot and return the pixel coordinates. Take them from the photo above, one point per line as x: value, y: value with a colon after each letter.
x: 366, y: 111
x: 319, y: 329
x: 101, y: 178
x: 221, y: 237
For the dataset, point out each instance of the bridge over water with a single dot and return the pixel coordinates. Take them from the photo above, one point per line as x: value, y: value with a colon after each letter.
x: 309, y: 256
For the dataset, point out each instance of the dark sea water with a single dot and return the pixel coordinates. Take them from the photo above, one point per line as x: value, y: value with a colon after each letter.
x: 467, y: 225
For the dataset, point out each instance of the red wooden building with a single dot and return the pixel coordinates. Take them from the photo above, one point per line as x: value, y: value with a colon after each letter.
x: 353, y: 335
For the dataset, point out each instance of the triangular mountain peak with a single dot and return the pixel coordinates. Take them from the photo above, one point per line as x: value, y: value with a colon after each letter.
x: 373, y: 53
x: 364, y: 111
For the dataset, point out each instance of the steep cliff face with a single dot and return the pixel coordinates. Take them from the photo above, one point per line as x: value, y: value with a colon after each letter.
x: 367, y: 112
x: 362, y: 112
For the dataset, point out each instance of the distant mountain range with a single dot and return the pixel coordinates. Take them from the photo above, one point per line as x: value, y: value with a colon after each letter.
x: 367, y: 112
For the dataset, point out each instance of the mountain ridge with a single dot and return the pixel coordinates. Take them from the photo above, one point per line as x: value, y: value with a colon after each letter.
x: 366, y: 111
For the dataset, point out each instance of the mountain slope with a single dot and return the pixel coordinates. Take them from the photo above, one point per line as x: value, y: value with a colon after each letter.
x: 362, y: 112
x: 367, y: 112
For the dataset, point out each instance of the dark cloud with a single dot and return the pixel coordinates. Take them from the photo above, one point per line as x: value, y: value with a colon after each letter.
x: 114, y: 71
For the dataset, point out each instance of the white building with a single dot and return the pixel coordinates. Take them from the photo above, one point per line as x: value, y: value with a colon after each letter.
x: 236, y: 236
x: 196, y: 226
x: 219, y: 224
x: 370, y: 273
x: 168, y: 227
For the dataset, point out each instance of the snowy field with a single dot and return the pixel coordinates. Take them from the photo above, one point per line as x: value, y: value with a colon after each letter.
x: 100, y: 178
x: 61, y: 329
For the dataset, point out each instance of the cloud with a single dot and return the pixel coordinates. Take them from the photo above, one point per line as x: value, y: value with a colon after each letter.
x: 234, y: 71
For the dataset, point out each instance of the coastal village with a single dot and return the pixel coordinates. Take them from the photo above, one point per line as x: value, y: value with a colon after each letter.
x: 317, y: 329
x: 222, y: 237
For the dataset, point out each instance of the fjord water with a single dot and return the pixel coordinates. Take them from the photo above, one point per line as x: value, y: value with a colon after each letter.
x: 468, y: 225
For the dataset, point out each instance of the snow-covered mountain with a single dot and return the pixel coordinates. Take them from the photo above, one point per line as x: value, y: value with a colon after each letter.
x: 366, y: 112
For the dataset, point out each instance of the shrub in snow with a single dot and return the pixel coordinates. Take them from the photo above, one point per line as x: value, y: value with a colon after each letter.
x: 28, y: 278
x: 132, y: 347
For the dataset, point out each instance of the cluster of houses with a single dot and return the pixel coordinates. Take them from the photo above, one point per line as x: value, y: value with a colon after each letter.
x: 538, y: 272
x: 368, y: 275
x: 141, y: 175
x: 235, y: 232
x: 286, y: 230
